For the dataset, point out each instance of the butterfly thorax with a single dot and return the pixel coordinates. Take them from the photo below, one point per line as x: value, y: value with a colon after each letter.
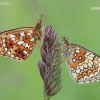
x: 37, y: 30
x: 68, y: 50
x: 83, y: 64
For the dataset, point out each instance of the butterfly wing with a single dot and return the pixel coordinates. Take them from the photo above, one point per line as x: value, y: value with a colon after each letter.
x: 84, y: 65
x: 18, y: 43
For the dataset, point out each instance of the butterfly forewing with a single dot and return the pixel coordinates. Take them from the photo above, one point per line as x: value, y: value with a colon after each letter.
x: 84, y: 65
x: 18, y: 43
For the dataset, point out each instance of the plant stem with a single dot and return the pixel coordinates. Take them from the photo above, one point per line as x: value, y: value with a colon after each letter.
x: 47, y: 98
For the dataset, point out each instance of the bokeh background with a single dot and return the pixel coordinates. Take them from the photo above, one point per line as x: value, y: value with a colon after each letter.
x: 21, y: 80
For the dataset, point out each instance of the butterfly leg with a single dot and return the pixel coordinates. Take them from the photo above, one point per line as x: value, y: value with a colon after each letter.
x: 57, y: 48
x: 60, y: 61
x: 41, y: 48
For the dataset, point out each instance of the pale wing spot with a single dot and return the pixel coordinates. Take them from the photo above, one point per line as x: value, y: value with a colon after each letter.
x: 12, y: 56
x: 74, y: 75
x: 91, y: 55
x: 8, y: 53
x: 32, y: 39
x: 69, y: 66
x: 12, y: 36
x: 99, y: 64
x: 81, y: 82
x: 80, y: 58
x: 87, y: 82
x: 90, y: 62
x: 85, y: 65
x: 81, y: 67
x: 99, y: 69
x: 4, y: 44
x: 91, y: 76
x: 20, y: 42
x: 13, y: 39
x: 77, y: 51
x: 22, y: 34
x: 21, y: 38
x: 3, y: 40
x: 96, y: 62
x: 17, y: 58
x: 87, y: 53
x: 30, y: 48
x: 75, y: 54
x: 24, y: 44
x: 73, y: 59
x: 78, y: 67
x: 69, y: 50
x: 86, y: 61
x: 89, y: 65
x: 97, y: 80
x: 27, y: 46
x: 5, y: 49
x: 25, y: 52
x: 72, y: 69
x: 86, y: 78
x: 77, y: 70
x: 93, y: 80
x: 30, y: 31
x: 96, y: 74
x: 99, y: 59
x: 90, y: 58
x: 80, y: 64
x: 77, y: 48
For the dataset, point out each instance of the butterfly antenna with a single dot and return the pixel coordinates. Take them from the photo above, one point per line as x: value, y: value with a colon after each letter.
x: 41, y: 17
x: 41, y: 48
x: 69, y: 33
x: 37, y: 11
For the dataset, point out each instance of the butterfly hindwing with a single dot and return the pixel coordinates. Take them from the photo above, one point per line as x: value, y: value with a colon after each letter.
x: 83, y: 64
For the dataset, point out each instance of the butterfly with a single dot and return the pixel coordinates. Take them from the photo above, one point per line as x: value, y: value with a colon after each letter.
x: 19, y: 43
x: 83, y: 64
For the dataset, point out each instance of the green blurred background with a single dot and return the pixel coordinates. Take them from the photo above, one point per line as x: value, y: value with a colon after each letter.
x: 21, y: 80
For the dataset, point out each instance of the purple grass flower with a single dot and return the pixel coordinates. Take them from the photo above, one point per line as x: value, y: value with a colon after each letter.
x: 50, y: 74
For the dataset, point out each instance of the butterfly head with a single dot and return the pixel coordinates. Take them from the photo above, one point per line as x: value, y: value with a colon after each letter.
x: 65, y: 45
x: 39, y: 24
x: 64, y: 41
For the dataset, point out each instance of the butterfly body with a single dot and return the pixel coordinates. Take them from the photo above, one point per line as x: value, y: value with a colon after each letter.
x: 19, y: 43
x: 84, y: 65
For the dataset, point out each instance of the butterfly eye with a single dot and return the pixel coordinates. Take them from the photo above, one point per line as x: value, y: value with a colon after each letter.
x: 65, y: 41
x: 39, y: 25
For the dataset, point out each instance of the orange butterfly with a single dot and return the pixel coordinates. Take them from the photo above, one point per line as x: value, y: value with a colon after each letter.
x: 19, y: 43
x: 83, y: 64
